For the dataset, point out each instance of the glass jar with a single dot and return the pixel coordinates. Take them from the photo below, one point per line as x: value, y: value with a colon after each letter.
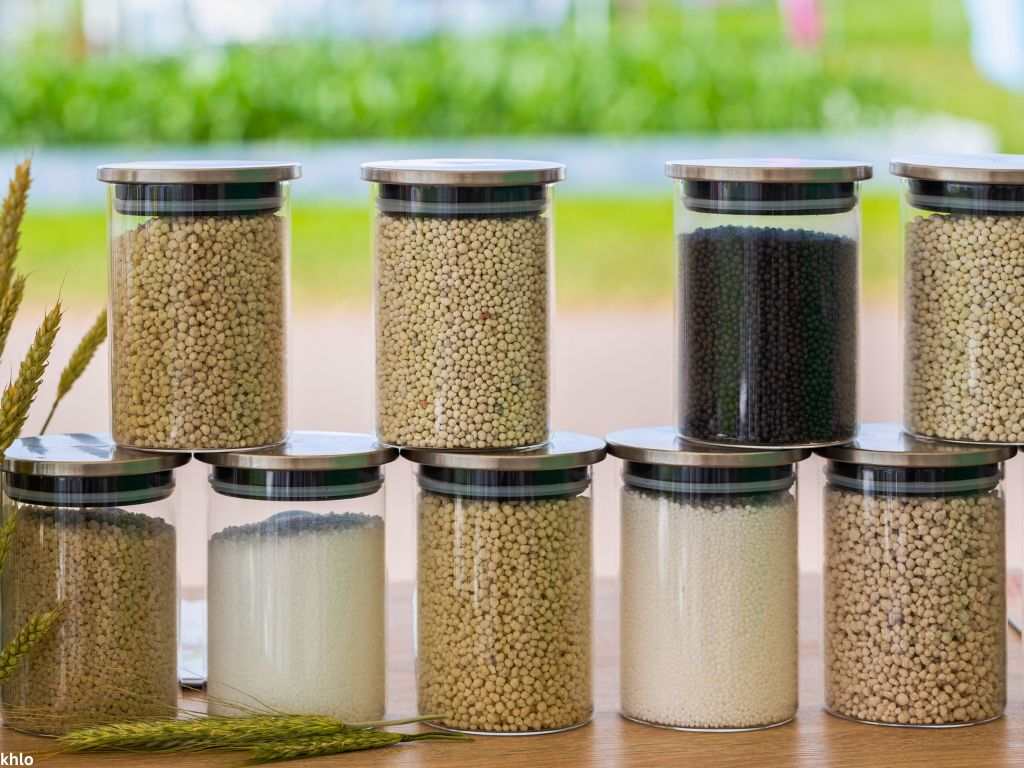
x: 464, y: 263
x: 963, y: 323
x: 766, y: 309
x: 709, y: 595
x: 503, y: 606
x: 915, y: 580
x: 90, y: 584
x: 198, y: 303
x: 297, y: 584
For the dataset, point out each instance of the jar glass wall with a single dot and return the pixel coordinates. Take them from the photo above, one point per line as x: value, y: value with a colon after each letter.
x: 915, y: 581
x: 199, y: 258
x: 767, y: 294
x: 963, y: 326
x: 708, y: 608
x: 91, y: 569
x: 463, y: 254
x: 503, y: 606
x: 296, y: 580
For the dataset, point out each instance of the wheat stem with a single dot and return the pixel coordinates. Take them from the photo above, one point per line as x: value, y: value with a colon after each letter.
x: 78, y: 362
x: 10, y: 221
x: 20, y: 394
x: 351, y: 741
x: 35, y: 629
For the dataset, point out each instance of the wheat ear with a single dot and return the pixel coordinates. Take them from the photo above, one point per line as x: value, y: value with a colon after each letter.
x: 199, y: 733
x: 10, y: 221
x: 9, y: 306
x: 20, y: 393
x: 78, y: 362
x: 7, y: 534
x: 35, y: 629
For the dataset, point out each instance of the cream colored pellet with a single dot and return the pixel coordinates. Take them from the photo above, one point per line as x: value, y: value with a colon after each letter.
x: 113, y: 656
x: 964, y: 365
x: 296, y: 616
x: 462, y: 331
x: 504, y: 612
x: 709, y: 609
x: 915, y: 607
x: 198, y: 355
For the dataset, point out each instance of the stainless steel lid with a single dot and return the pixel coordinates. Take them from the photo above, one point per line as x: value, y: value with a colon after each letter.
x: 969, y: 169
x: 83, y: 454
x: 310, y: 452
x: 662, y: 445
x: 564, y: 450
x: 197, y: 172
x: 776, y: 170
x: 458, y: 172
x: 885, y: 444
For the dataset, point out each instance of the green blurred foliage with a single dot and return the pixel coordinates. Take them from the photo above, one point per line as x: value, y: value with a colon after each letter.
x: 700, y: 71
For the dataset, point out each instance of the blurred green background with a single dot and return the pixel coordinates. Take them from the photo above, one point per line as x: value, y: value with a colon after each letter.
x: 657, y: 68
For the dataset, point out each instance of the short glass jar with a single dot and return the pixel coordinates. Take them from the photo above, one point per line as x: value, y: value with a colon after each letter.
x: 296, y: 581
x: 963, y: 323
x: 915, y: 580
x: 503, y: 606
x: 708, y: 608
x: 463, y: 292
x: 198, y: 303
x: 91, y: 570
x: 767, y: 292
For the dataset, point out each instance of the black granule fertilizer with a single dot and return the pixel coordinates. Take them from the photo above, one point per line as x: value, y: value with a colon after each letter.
x: 768, y: 336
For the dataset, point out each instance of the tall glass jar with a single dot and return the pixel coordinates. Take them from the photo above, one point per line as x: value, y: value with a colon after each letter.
x: 963, y: 296
x: 766, y: 309
x: 464, y: 262
x: 90, y: 585
x: 915, y: 580
x: 709, y: 596
x: 503, y: 619
x: 297, y: 584
x: 198, y: 303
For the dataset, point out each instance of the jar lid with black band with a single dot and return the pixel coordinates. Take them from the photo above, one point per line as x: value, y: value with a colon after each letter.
x: 658, y: 459
x: 463, y: 187
x: 768, y: 186
x: 883, y: 458
x: 308, y: 466
x: 86, y: 470
x: 561, y: 467
x: 186, y: 188
x: 988, y: 184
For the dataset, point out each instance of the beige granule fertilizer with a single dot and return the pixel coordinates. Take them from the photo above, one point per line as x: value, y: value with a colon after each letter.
x: 198, y: 332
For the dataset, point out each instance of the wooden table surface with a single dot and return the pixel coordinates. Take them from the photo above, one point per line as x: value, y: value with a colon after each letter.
x: 814, y: 739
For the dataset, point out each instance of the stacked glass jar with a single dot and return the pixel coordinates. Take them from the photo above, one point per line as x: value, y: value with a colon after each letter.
x: 915, y: 580
x: 463, y: 259
x: 709, y: 599
x: 767, y: 300
x: 503, y: 606
x: 90, y: 584
x: 296, y: 583
x: 198, y: 303
x: 963, y: 312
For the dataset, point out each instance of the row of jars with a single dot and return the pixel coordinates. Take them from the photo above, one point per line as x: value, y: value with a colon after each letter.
x: 915, y: 610
x: 767, y: 301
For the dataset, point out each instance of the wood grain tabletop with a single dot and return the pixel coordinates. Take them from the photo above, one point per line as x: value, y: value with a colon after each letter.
x: 814, y: 739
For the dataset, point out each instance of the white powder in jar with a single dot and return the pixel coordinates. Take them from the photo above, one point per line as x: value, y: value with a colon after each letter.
x: 709, y: 609
x: 297, y: 616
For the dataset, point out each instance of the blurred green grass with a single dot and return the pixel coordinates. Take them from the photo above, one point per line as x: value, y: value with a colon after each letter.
x: 611, y: 253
